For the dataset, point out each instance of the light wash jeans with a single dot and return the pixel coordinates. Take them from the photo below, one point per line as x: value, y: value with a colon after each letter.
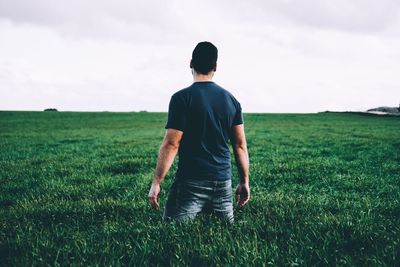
x: 189, y: 197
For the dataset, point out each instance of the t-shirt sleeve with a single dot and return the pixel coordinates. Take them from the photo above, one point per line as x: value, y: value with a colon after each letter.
x: 238, y: 118
x: 176, y: 114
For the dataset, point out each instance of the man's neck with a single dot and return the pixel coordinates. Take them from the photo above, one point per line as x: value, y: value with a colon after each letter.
x: 203, y: 77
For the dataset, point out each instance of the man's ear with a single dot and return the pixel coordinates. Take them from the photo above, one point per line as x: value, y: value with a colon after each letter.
x: 215, y: 67
x: 191, y: 65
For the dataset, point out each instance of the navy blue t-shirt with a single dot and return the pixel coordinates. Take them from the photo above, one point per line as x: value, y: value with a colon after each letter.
x: 206, y: 113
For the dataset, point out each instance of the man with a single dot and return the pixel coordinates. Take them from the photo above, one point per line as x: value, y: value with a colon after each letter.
x: 202, y: 119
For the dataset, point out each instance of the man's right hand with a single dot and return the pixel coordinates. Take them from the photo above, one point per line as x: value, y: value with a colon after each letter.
x: 242, y: 194
x: 153, y: 195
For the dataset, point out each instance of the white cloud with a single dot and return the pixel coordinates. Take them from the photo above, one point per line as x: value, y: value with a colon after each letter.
x: 275, y: 56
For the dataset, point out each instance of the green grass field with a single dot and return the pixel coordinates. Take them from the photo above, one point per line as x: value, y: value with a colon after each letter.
x: 73, y: 191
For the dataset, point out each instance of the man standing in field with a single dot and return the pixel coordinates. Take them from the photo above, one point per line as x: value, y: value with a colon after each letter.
x: 202, y: 118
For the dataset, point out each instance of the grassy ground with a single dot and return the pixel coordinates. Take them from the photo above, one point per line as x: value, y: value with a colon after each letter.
x: 73, y: 190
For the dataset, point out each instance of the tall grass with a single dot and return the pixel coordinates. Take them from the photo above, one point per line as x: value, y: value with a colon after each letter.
x: 73, y: 191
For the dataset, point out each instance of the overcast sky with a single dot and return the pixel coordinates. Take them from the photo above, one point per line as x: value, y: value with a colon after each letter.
x: 274, y: 56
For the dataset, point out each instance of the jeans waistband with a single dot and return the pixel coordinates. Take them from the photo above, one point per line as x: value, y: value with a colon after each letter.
x: 204, y: 182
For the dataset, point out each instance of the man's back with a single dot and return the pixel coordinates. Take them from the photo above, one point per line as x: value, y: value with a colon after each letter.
x: 206, y: 113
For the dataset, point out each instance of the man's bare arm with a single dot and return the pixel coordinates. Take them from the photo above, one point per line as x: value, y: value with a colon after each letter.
x: 242, y: 161
x: 168, y: 151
